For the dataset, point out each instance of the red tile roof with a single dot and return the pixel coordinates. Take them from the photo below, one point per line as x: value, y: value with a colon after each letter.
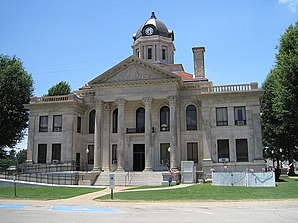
x: 86, y: 86
x: 187, y: 77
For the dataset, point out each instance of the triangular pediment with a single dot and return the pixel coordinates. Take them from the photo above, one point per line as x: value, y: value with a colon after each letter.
x: 133, y: 69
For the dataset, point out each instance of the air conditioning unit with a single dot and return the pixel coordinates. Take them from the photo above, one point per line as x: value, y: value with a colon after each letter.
x: 114, y: 161
x: 58, y: 129
x: 240, y: 123
x: 55, y: 161
x: 223, y: 160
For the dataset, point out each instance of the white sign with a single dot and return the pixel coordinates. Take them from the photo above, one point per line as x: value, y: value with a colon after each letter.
x: 112, y: 180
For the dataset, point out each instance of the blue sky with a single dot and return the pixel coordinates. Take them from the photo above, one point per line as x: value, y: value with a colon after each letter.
x: 75, y: 41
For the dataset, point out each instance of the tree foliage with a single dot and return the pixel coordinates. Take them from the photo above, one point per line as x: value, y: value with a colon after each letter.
x: 16, y: 88
x: 62, y: 88
x: 280, y: 100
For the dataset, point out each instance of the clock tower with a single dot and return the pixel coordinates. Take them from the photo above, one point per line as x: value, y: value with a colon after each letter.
x: 154, y: 43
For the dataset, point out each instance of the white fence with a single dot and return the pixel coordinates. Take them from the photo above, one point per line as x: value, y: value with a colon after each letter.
x: 266, y: 179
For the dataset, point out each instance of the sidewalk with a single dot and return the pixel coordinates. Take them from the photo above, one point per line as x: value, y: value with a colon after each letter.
x: 89, y: 198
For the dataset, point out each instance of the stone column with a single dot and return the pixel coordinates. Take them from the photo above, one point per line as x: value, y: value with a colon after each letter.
x: 173, y: 132
x: 30, y: 144
x: 257, y: 136
x: 106, y: 138
x: 97, y: 135
x: 121, y: 134
x: 148, y: 134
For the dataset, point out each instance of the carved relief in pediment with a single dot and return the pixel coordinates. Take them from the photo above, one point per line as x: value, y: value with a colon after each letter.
x: 134, y: 73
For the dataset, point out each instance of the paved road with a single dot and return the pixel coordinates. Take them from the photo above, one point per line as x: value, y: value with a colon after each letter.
x: 23, y: 211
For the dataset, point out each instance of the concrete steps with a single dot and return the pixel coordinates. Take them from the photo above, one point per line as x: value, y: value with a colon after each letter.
x: 132, y: 178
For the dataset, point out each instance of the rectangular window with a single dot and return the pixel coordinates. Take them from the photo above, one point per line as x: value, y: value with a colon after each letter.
x: 192, y: 152
x: 164, y: 153
x: 42, y: 153
x: 223, y: 150
x: 163, y: 54
x: 56, y: 153
x: 43, y: 123
x: 221, y: 116
x: 241, y: 150
x: 240, y: 115
x: 90, y: 154
x: 114, y: 153
x: 149, y: 55
x: 57, y: 123
x: 79, y: 124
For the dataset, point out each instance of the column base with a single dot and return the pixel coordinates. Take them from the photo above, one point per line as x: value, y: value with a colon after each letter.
x: 96, y: 169
x: 148, y: 169
x: 120, y: 169
x: 106, y: 169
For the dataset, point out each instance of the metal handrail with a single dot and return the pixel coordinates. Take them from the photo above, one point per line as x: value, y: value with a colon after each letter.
x: 126, y: 178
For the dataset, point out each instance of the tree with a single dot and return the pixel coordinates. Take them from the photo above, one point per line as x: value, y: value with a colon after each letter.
x: 280, y: 100
x: 61, y: 88
x: 16, y: 88
x: 21, y: 156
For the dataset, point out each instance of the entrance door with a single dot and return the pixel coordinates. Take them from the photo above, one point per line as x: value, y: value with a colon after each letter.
x: 138, y: 157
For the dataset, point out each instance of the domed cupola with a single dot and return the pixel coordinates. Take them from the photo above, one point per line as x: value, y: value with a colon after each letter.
x: 153, y: 42
x: 154, y: 26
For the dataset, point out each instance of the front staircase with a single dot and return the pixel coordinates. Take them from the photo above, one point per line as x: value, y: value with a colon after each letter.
x: 135, y: 178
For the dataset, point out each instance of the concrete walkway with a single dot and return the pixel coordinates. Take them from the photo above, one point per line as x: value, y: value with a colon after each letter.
x: 89, y: 198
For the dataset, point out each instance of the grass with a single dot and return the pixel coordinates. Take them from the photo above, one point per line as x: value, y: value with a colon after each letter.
x: 145, y: 187
x: 43, y: 193
x: 284, y: 190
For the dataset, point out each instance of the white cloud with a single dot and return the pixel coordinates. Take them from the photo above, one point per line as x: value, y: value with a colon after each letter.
x: 292, y: 5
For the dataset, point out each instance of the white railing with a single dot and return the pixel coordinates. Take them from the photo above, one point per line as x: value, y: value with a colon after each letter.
x: 230, y: 88
x: 61, y: 98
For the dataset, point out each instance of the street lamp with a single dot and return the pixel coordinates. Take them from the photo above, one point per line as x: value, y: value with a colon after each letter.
x: 87, y: 152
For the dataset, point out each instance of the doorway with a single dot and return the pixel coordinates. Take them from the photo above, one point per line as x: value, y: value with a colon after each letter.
x: 138, y: 157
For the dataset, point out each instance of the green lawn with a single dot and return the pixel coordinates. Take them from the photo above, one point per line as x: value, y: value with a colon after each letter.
x: 44, y: 193
x: 284, y: 190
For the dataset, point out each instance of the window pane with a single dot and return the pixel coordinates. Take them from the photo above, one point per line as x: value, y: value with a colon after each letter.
x: 42, y: 153
x: 163, y: 54
x: 79, y: 124
x: 149, y: 53
x: 140, y: 120
x: 240, y: 115
x: 164, y: 153
x: 43, y: 123
x: 223, y: 150
x: 57, y: 123
x: 192, y: 152
x: 91, y: 121
x: 241, y: 150
x: 191, y: 118
x: 56, y: 152
x: 221, y: 116
x: 90, y: 154
x: 114, y: 154
x: 165, y: 119
x: 115, y: 121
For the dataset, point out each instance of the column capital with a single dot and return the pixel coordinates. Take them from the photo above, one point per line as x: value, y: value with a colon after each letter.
x: 106, y: 106
x: 120, y: 101
x: 98, y: 103
x: 147, y: 101
x: 173, y: 100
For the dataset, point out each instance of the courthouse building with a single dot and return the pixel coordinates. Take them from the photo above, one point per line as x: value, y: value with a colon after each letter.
x: 146, y: 113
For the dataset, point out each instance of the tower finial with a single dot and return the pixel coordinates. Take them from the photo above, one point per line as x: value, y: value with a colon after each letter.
x: 153, y: 15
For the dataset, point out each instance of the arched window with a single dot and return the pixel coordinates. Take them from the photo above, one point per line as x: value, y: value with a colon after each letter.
x: 91, y: 121
x: 140, y: 120
x: 115, y: 120
x: 164, y: 119
x: 191, y: 118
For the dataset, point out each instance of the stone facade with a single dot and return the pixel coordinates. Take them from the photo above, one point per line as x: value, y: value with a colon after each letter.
x: 143, y: 116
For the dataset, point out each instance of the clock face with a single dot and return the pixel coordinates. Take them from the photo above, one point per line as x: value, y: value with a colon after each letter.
x: 149, y: 31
